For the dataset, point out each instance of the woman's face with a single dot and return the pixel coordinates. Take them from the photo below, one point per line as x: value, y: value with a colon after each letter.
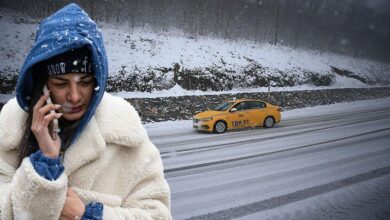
x: 73, y: 91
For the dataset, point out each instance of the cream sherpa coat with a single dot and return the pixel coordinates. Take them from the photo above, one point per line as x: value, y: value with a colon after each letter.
x: 112, y: 162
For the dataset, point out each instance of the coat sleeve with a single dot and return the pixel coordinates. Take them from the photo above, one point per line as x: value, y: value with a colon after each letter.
x: 24, y: 194
x: 150, y: 198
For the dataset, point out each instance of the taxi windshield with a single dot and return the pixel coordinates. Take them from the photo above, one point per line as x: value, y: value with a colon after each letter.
x: 223, y: 107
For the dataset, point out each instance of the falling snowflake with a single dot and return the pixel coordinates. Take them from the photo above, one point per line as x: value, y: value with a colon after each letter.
x: 77, y: 78
x: 344, y: 41
x: 147, y: 160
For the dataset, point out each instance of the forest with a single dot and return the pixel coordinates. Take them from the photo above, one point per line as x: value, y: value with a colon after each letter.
x: 358, y: 28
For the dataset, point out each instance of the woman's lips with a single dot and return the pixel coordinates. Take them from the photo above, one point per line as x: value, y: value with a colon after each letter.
x: 76, y: 109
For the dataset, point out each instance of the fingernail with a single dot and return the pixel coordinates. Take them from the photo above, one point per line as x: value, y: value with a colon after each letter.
x: 57, y: 105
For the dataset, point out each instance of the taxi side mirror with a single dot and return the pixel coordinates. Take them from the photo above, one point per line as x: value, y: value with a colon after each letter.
x: 233, y: 110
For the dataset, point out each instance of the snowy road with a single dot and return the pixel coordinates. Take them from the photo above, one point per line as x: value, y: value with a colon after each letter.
x: 330, y: 162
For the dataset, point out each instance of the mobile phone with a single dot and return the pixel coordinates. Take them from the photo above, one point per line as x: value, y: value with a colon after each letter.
x: 53, y: 126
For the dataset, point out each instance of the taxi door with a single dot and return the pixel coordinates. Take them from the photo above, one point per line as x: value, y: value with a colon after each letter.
x: 239, y: 118
x: 256, y: 113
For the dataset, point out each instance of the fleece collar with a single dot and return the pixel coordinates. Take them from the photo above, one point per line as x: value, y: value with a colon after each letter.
x: 115, y: 122
x: 119, y: 122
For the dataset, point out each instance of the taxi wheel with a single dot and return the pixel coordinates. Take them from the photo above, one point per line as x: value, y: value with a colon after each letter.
x: 220, y: 127
x: 269, y: 122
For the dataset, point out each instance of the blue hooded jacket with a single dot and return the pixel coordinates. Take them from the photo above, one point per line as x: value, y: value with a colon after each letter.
x: 67, y: 29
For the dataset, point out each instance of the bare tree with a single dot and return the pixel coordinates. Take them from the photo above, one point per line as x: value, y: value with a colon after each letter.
x: 277, y: 22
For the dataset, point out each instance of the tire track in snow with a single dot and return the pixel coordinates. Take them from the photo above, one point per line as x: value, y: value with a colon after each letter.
x: 275, y: 202
x: 283, y: 155
x: 365, y: 200
x: 169, y: 170
x: 267, y: 178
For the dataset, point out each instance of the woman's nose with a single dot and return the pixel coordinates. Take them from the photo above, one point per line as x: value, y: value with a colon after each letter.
x: 74, y: 94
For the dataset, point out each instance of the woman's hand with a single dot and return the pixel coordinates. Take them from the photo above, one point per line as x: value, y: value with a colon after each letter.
x: 40, y: 127
x: 73, y: 208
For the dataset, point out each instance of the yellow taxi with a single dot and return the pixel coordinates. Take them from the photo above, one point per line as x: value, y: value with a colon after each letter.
x: 241, y: 113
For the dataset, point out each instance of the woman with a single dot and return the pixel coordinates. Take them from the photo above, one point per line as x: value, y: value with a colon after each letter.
x: 101, y: 164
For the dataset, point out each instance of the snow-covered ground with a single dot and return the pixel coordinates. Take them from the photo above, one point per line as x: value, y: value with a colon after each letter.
x: 324, y: 162
x: 143, y: 49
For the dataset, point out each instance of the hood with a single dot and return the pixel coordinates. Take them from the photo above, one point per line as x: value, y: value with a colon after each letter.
x: 69, y: 28
x: 209, y: 113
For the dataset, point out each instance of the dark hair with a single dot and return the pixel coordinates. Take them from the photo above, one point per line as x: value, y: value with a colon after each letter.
x: 28, y: 143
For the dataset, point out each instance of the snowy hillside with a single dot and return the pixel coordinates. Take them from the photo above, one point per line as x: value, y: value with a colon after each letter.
x: 158, y: 64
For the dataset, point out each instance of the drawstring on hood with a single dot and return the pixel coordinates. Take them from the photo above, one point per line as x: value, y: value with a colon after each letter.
x: 66, y: 30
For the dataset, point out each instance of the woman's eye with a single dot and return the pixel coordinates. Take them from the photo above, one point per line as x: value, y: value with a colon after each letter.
x: 60, y: 84
x: 86, y: 82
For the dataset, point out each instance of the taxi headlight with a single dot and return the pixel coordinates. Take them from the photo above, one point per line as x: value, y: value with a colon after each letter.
x: 207, y: 119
